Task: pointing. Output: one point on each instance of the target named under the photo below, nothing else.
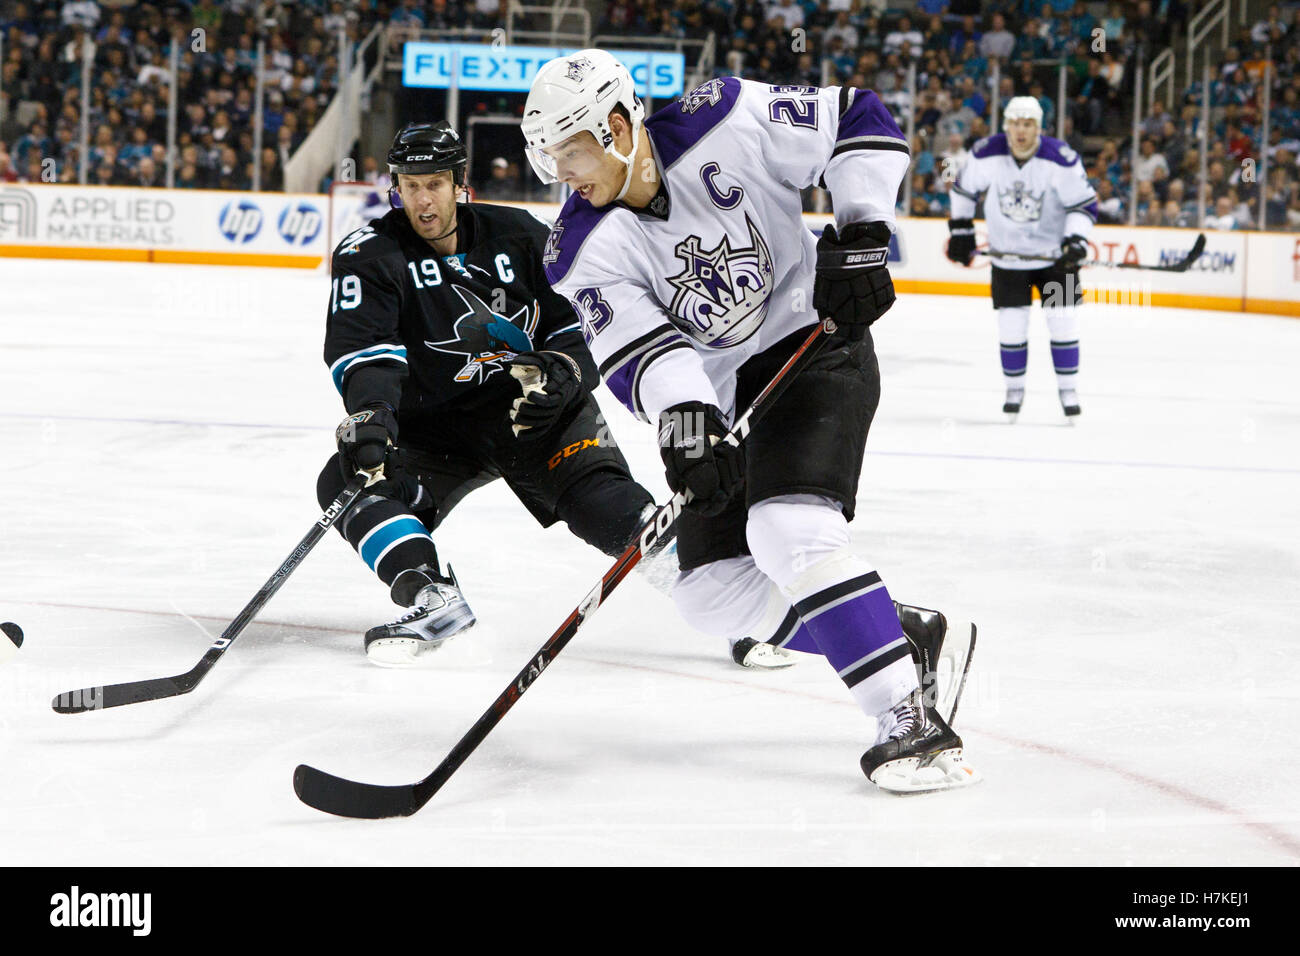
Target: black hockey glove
(552, 382)
(1074, 250)
(961, 241)
(696, 458)
(853, 286)
(364, 438)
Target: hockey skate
(438, 612)
(942, 650)
(748, 652)
(1011, 407)
(917, 752)
(1070, 404)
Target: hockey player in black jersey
(457, 365)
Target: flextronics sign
(512, 68)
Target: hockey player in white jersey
(686, 255)
(1038, 205)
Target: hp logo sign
(241, 222)
(300, 224)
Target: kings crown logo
(706, 94)
(722, 293)
(1020, 205)
(577, 69)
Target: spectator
(998, 41)
(1110, 208)
(843, 30)
(498, 185)
(1113, 72)
(903, 35)
(1263, 30)
(1113, 24)
(1223, 217)
(788, 13)
(7, 172)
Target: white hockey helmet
(1023, 107)
(575, 93)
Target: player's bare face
(587, 169)
(1023, 136)
(429, 201)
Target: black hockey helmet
(421, 148)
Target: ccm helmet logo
(418, 159)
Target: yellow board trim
(74, 252)
(270, 259)
(1176, 300)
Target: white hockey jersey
(674, 298)
(1031, 206)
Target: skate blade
(767, 657)
(946, 771)
(1011, 417)
(403, 651)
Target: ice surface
(1134, 695)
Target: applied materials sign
(512, 68)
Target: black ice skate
(1070, 403)
(942, 650)
(920, 752)
(748, 652)
(438, 612)
(1011, 407)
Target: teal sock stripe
(388, 534)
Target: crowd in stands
(41, 79)
(950, 48)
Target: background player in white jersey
(685, 252)
(1038, 204)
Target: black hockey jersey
(419, 330)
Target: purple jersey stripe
(995, 145)
(620, 383)
(576, 220)
(676, 128)
(867, 116)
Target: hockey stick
(1181, 266)
(134, 692)
(350, 798)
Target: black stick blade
(347, 798)
(1193, 254)
(13, 632)
(115, 695)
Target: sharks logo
(1020, 205)
(722, 294)
(487, 339)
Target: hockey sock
(388, 537)
(848, 612)
(1063, 324)
(801, 543)
(1013, 336)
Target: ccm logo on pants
(570, 450)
